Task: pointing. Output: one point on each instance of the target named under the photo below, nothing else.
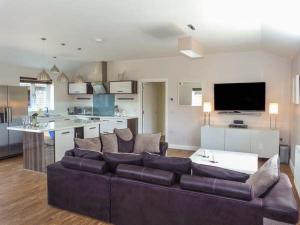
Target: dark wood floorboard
(23, 196)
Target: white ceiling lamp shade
(79, 79)
(62, 78)
(43, 76)
(190, 47)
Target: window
(40, 96)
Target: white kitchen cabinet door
(91, 131)
(120, 87)
(64, 141)
(265, 143)
(237, 140)
(77, 88)
(109, 125)
(212, 138)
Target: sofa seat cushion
(84, 154)
(125, 140)
(92, 144)
(147, 143)
(114, 159)
(266, 176)
(148, 175)
(279, 202)
(215, 186)
(109, 142)
(88, 165)
(217, 172)
(176, 165)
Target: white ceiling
(141, 28)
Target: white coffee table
(237, 161)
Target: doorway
(154, 108)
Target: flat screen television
(240, 96)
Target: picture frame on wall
(296, 90)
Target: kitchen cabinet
(91, 131)
(80, 88)
(108, 125)
(123, 87)
(64, 141)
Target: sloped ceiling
(133, 29)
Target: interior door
(150, 108)
(3, 122)
(17, 108)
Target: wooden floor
(23, 196)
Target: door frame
(140, 101)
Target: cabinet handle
(119, 121)
(67, 119)
(91, 128)
(51, 121)
(105, 132)
(120, 91)
(67, 132)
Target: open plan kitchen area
(43, 135)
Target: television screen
(240, 96)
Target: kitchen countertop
(53, 126)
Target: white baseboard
(292, 166)
(184, 147)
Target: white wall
(295, 112)
(185, 121)
(10, 75)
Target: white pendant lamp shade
(62, 78)
(78, 79)
(54, 70)
(190, 47)
(43, 76)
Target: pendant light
(78, 79)
(43, 76)
(54, 70)
(62, 78)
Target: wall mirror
(190, 93)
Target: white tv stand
(262, 141)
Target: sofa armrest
(69, 152)
(88, 165)
(215, 186)
(279, 203)
(163, 147)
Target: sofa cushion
(92, 144)
(149, 175)
(109, 142)
(215, 186)
(217, 172)
(266, 176)
(89, 165)
(114, 159)
(87, 154)
(125, 140)
(176, 165)
(147, 143)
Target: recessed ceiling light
(79, 49)
(99, 40)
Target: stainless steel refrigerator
(13, 107)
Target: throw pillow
(147, 143)
(109, 143)
(265, 177)
(219, 173)
(176, 165)
(114, 159)
(125, 140)
(92, 144)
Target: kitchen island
(48, 142)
